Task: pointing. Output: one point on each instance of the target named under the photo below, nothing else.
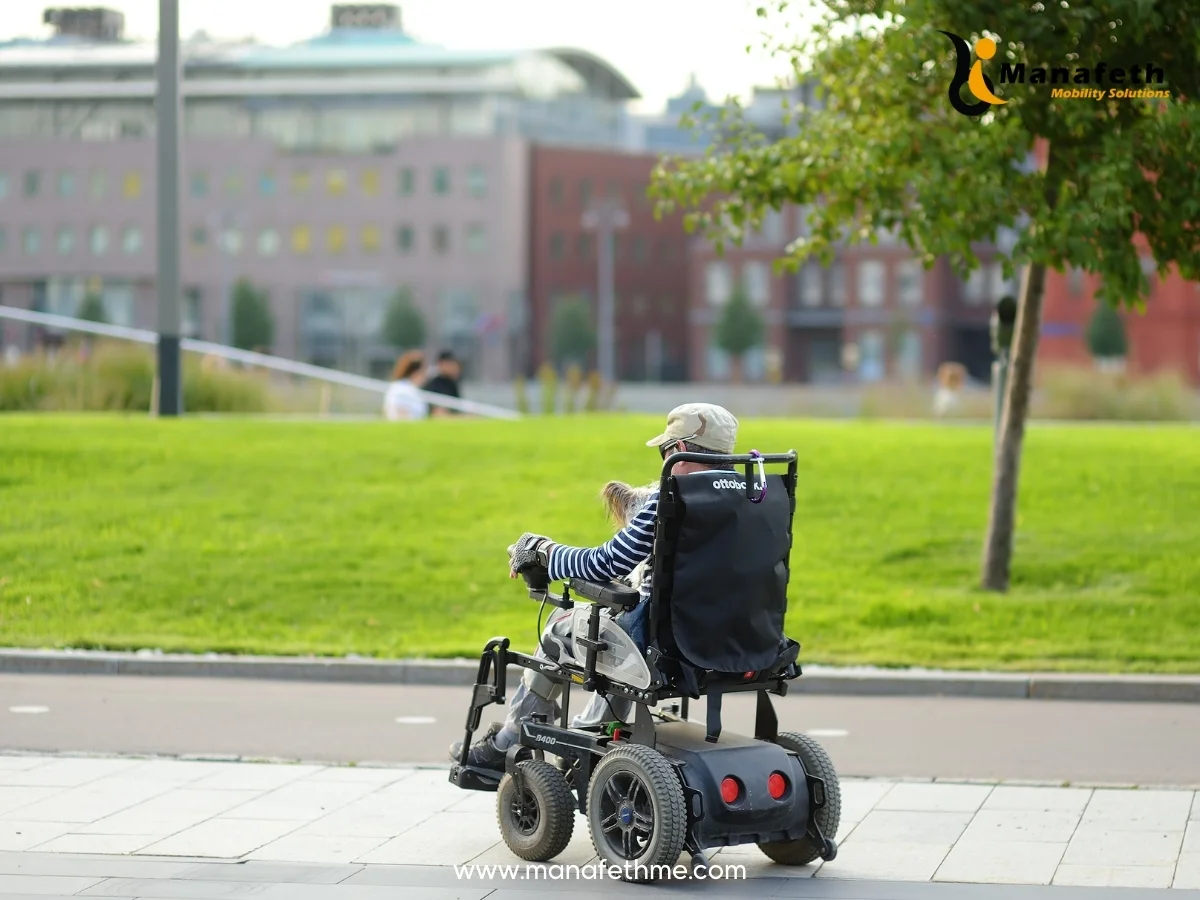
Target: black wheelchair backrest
(720, 573)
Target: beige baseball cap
(703, 424)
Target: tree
(739, 330)
(572, 334)
(404, 326)
(1106, 333)
(1082, 182)
(92, 310)
(252, 324)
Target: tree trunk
(735, 369)
(998, 545)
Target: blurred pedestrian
(951, 377)
(445, 382)
(403, 400)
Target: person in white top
(403, 400)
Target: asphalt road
(1121, 743)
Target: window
(975, 290)
(477, 181)
(31, 240)
(407, 182)
(301, 182)
(585, 245)
(65, 240)
(370, 239)
(3, 240)
(1075, 281)
(3, 185)
(131, 186)
(266, 184)
(335, 182)
(585, 193)
(131, 240)
(810, 285)
(837, 284)
(908, 359)
(476, 238)
(870, 283)
(666, 249)
(189, 321)
(872, 365)
(641, 249)
(198, 237)
(441, 180)
(998, 285)
(31, 184)
(98, 186)
(199, 184)
(335, 239)
(757, 280)
(556, 192)
(557, 245)
(370, 183)
(718, 284)
(231, 241)
(405, 238)
(268, 242)
(301, 239)
(885, 236)
(98, 240)
(441, 240)
(772, 227)
(66, 184)
(910, 282)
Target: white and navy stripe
(621, 555)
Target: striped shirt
(619, 556)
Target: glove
(530, 550)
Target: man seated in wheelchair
(699, 428)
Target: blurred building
(332, 173)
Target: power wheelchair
(663, 784)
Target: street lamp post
(170, 382)
(605, 218)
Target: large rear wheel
(636, 812)
(817, 763)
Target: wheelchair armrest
(614, 596)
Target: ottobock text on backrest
(721, 572)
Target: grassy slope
(292, 537)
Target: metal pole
(605, 310)
(170, 392)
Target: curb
(461, 672)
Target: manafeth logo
(1082, 79)
(972, 76)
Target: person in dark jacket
(449, 370)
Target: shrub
(574, 383)
(253, 324)
(549, 382)
(1079, 393)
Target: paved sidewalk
(57, 812)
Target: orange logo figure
(985, 48)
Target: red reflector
(730, 789)
(747, 675)
(776, 785)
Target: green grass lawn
(297, 537)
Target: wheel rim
(626, 815)
(525, 812)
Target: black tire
(536, 823)
(636, 812)
(817, 763)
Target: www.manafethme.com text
(594, 871)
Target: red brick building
(650, 259)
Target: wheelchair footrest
(473, 778)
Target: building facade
(332, 174)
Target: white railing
(279, 364)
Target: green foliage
(595, 386)
(572, 334)
(1079, 393)
(253, 324)
(572, 387)
(1106, 333)
(887, 150)
(92, 310)
(740, 328)
(521, 394)
(229, 534)
(119, 377)
(404, 326)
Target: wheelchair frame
(583, 748)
